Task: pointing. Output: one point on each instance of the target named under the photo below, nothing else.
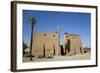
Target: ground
(86, 55)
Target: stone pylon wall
(72, 44)
(45, 44)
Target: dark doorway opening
(62, 50)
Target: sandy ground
(59, 58)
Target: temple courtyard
(84, 56)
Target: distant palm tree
(32, 21)
(24, 47)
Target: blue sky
(47, 21)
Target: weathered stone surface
(46, 44)
(72, 44)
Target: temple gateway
(47, 44)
